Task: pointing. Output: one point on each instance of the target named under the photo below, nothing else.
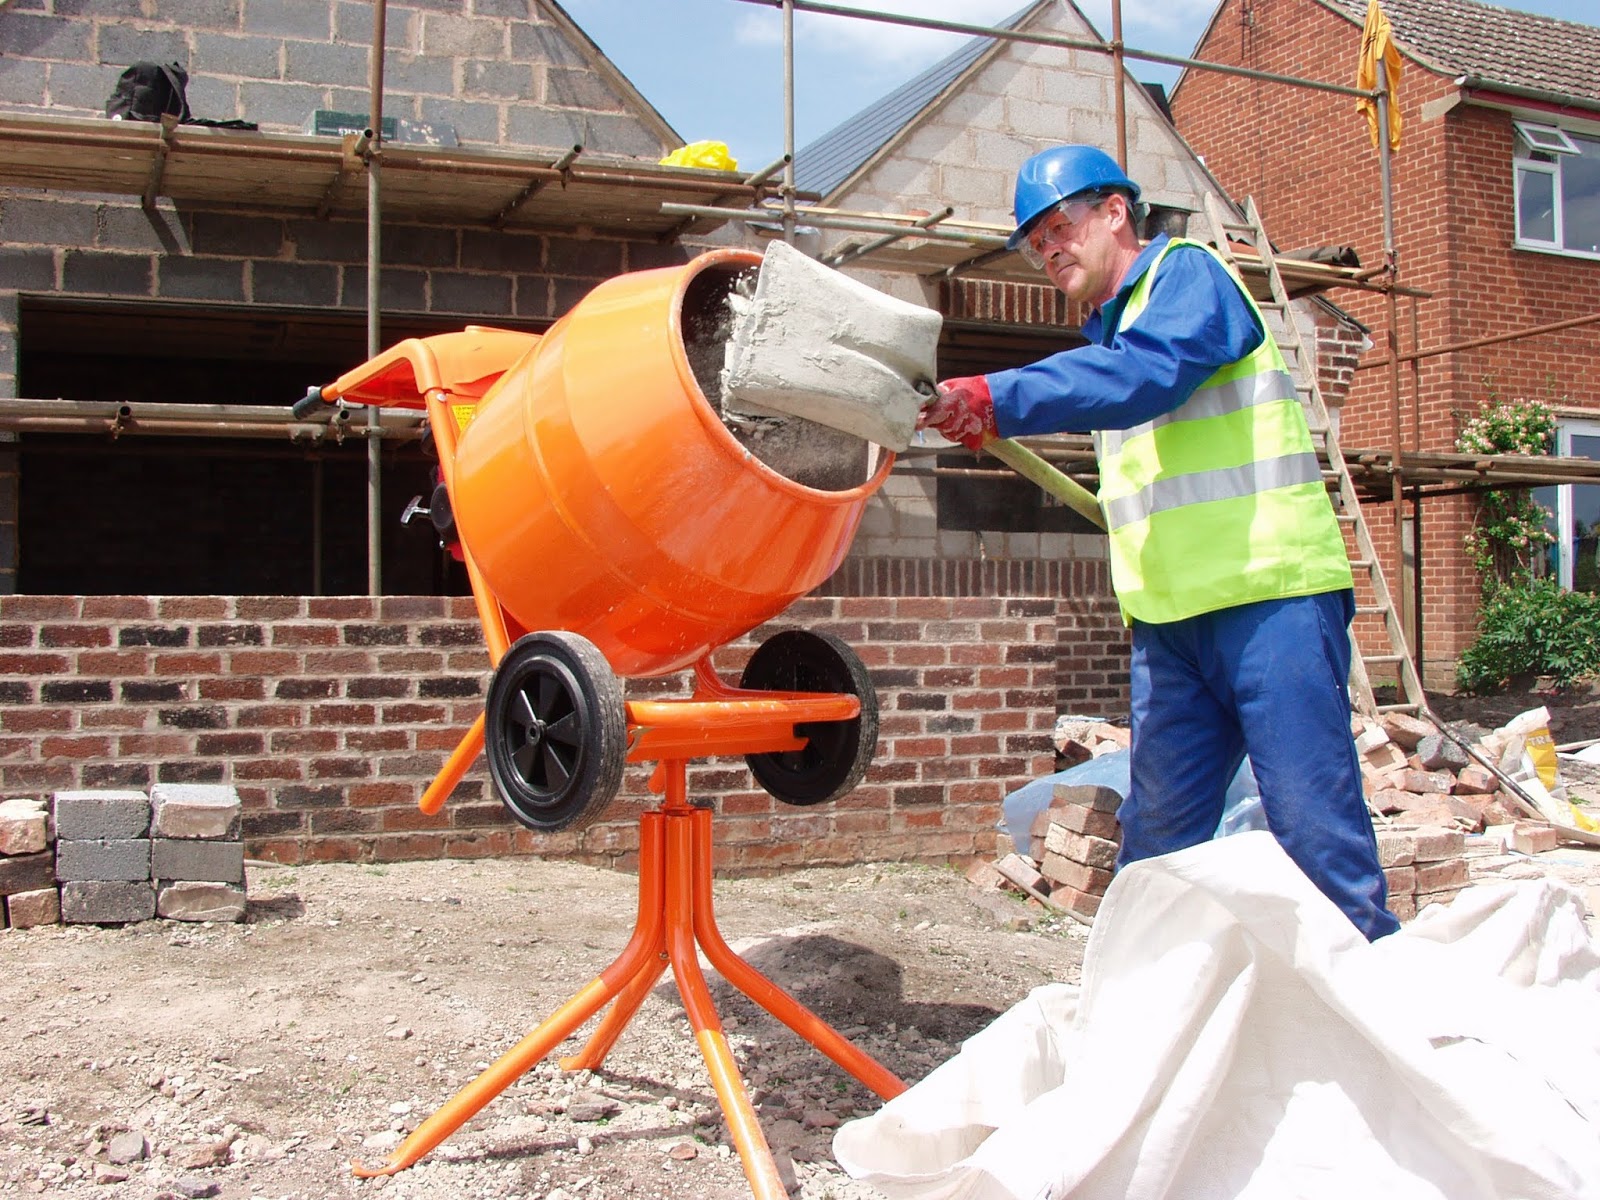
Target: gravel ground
(259, 1059)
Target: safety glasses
(1052, 228)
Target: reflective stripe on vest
(1221, 501)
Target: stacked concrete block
(27, 866)
(196, 855)
(102, 857)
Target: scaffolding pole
(374, 142)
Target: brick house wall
(331, 714)
(1307, 159)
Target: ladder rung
(1383, 658)
(1388, 708)
(1364, 563)
(1345, 518)
(1370, 610)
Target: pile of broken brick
(119, 856)
(1425, 792)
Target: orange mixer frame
(447, 376)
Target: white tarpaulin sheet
(1235, 1036)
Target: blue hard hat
(1061, 173)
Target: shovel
(814, 343)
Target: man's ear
(1118, 209)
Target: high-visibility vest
(1221, 501)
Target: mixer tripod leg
(640, 956)
(862, 1066)
(756, 1156)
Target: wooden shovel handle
(1035, 469)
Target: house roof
(825, 164)
(1490, 45)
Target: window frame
(1566, 429)
(1523, 163)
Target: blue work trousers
(1269, 679)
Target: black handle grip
(308, 404)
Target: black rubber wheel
(555, 731)
(837, 753)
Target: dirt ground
(259, 1059)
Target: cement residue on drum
(804, 451)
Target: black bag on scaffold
(147, 90)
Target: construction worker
(1225, 555)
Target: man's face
(1078, 243)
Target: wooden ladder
(1393, 664)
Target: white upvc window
(1575, 512)
(1557, 188)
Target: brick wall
(330, 715)
(1307, 159)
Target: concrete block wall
(110, 247)
(1308, 161)
(330, 715)
(501, 72)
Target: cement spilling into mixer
(814, 343)
(810, 454)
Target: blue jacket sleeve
(1196, 321)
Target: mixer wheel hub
(837, 753)
(555, 731)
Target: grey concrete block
(459, 292)
(400, 290)
(201, 278)
(195, 901)
(352, 22)
(251, 57)
(533, 296)
(195, 810)
(46, 222)
(544, 43)
(108, 274)
(417, 75)
(130, 227)
(516, 9)
(27, 872)
(573, 87)
(321, 62)
(324, 241)
(200, 14)
(216, 99)
(505, 80)
(290, 18)
(419, 246)
(22, 81)
(120, 45)
(309, 285)
(85, 815)
(473, 121)
(280, 104)
(243, 237)
(105, 859)
(451, 36)
(592, 260)
(176, 859)
(32, 269)
(483, 250)
(101, 903)
(25, 36)
(535, 125)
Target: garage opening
(211, 512)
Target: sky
(714, 68)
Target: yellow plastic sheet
(702, 154)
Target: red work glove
(963, 411)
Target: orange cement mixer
(612, 525)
